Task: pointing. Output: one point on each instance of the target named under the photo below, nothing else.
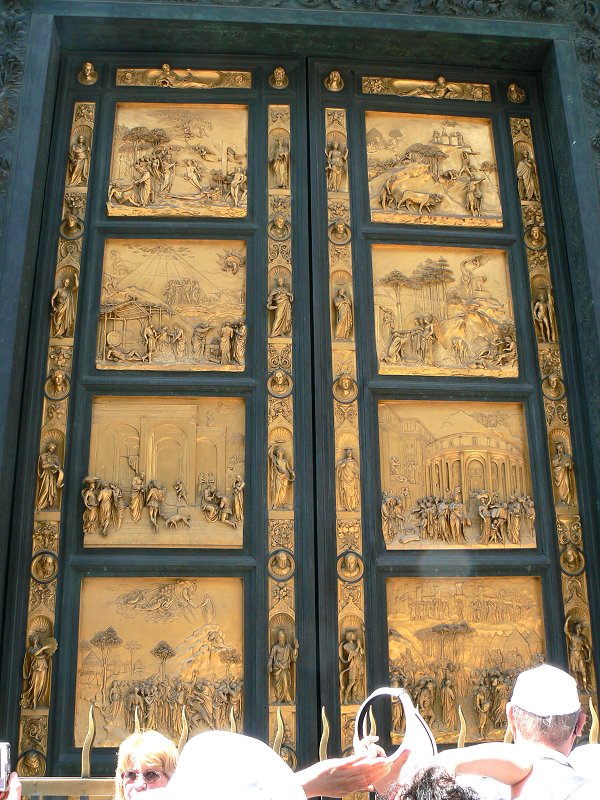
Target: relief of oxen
(413, 201)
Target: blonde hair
(150, 748)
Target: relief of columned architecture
(455, 475)
(165, 472)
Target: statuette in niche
(344, 315)
(515, 94)
(87, 74)
(79, 162)
(282, 657)
(543, 316)
(334, 81)
(527, 179)
(336, 166)
(280, 164)
(580, 652)
(50, 478)
(352, 673)
(280, 302)
(280, 474)
(37, 669)
(563, 473)
(278, 79)
(62, 304)
(348, 482)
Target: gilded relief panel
(165, 472)
(432, 170)
(444, 313)
(455, 476)
(179, 160)
(462, 641)
(439, 89)
(173, 304)
(154, 647)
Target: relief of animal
(418, 201)
(175, 519)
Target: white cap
(546, 692)
(230, 765)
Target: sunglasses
(150, 776)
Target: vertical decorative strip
(40, 645)
(577, 625)
(283, 645)
(349, 548)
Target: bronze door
(304, 427)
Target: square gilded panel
(432, 170)
(156, 646)
(443, 311)
(454, 475)
(165, 472)
(179, 159)
(462, 641)
(173, 304)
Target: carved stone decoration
(87, 74)
(344, 315)
(336, 167)
(281, 534)
(439, 89)
(127, 667)
(181, 482)
(515, 94)
(58, 384)
(173, 304)
(78, 167)
(440, 314)
(543, 315)
(455, 476)
(279, 229)
(463, 641)
(42, 594)
(45, 536)
(432, 170)
(71, 226)
(37, 664)
(278, 79)
(339, 232)
(31, 764)
(563, 472)
(179, 160)
(63, 303)
(169, 78)
(281, 565)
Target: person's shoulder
(588, 790)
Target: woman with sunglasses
(145, 761)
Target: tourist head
(434, 783)
(145, 761)
(545, 708)
(258, 771)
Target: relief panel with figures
(173, 304)
(165, 472)
(432, 170)
(126, 665)
(462, 641)
(443, 311)
(455, 475)
(179, 160)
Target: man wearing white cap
(545, 717)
